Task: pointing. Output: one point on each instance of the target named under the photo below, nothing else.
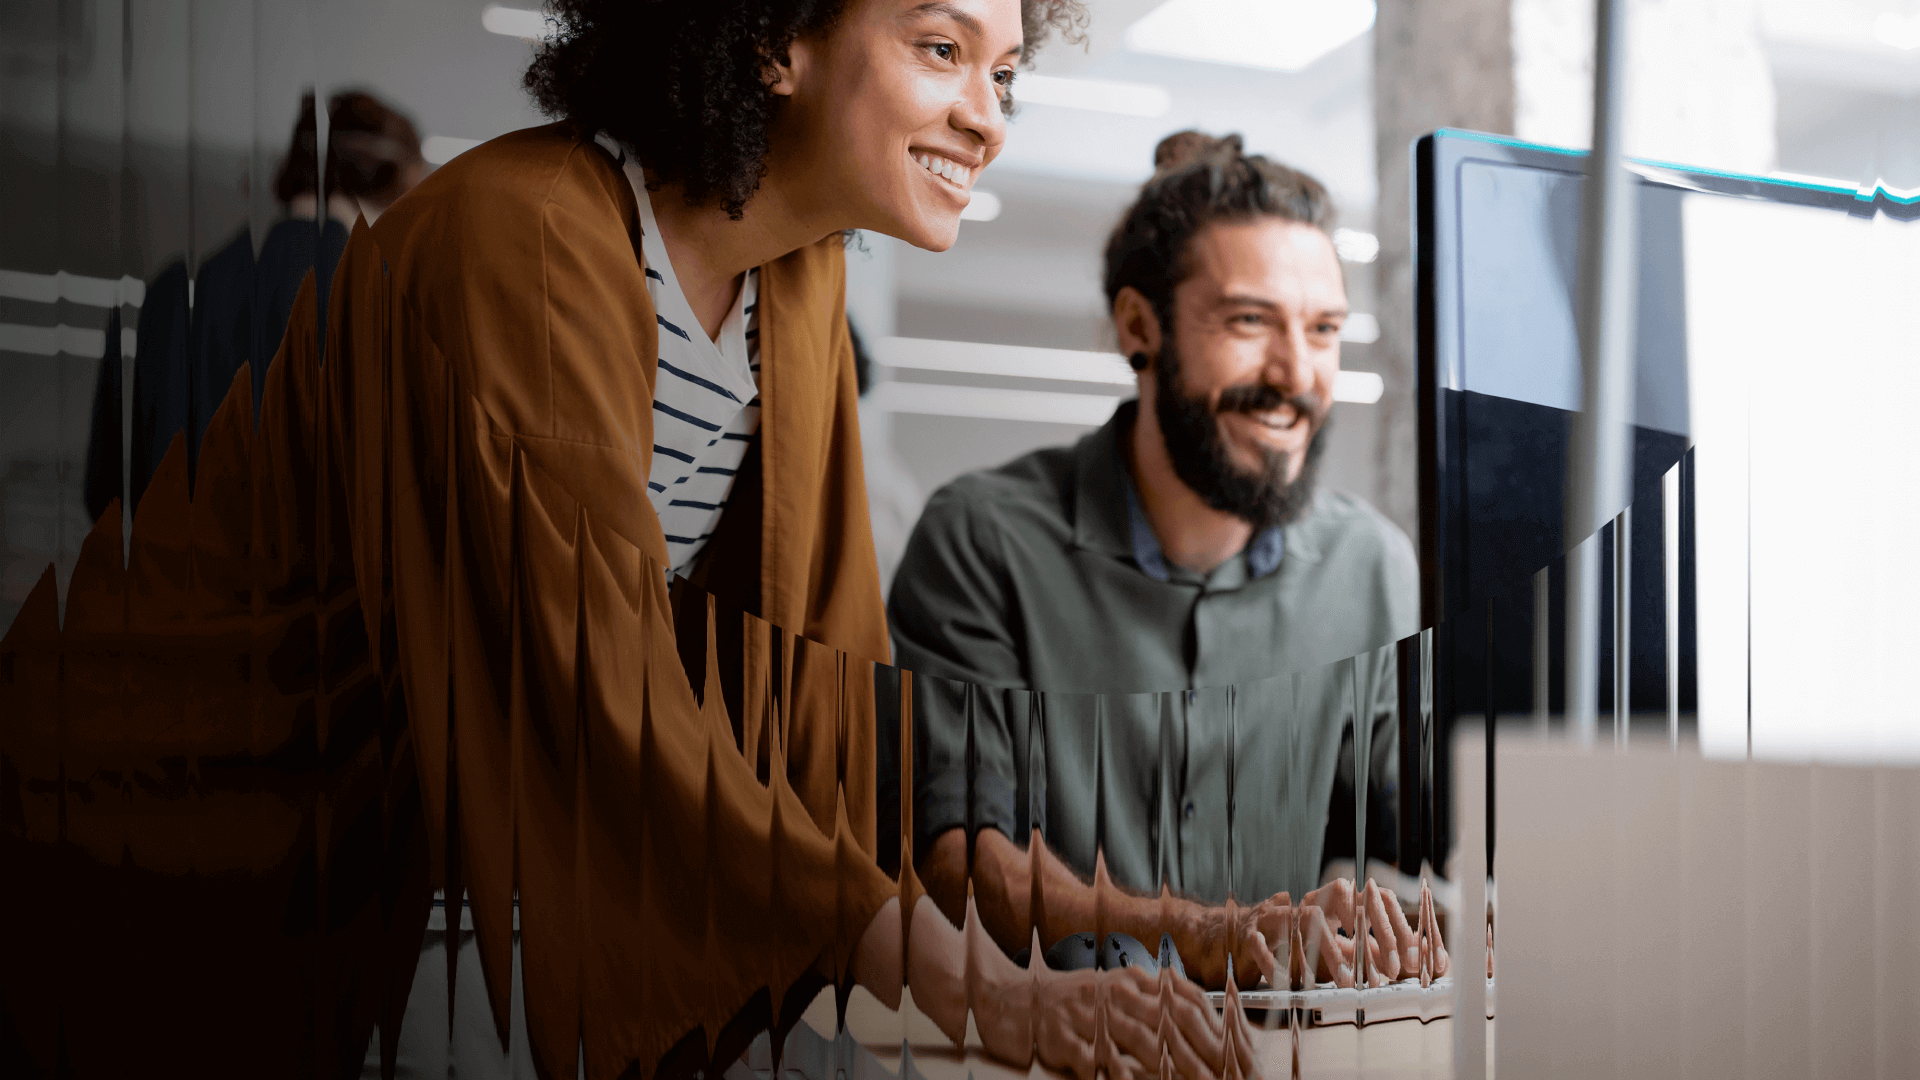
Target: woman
(413, 627)
(581, 361)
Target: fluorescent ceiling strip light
(63, 340)
(440, 149)
(1360, 328)
(981, 206)
(73, 288)
(986, 403)
(1048, 406)
(1355, 246)
(1358, 387)
(516, 22)
(1060, 365)
(1900, 33)
(1018, 361)
(1096, 95)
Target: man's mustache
(1260, 397)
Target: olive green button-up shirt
(1192, 728)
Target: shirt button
(1190, 808)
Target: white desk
(1405, 1049)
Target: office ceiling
(1067, 173)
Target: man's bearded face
(1190, 427)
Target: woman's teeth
(948, 170)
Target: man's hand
(1292, 945)
(1254, 936)
(1296, 945)
(1374, 914)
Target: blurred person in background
(373, 155)
(373, 158)
(1184, 546)
(192, 342)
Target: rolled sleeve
(953, 628)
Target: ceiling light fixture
(1902, 34)
(1021, 361)
(1358, 387)
(1360, 328)
(516, 22)
(1097, 95)
(1277, 35)
(1056, 365)
(993, 403)
(1355, 246)
(73, 288)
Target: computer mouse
(1075, 952)
(1125, 951)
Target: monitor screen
(1755, 297)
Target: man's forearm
(1001, 884)
(1004, 896)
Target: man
(1198, 618)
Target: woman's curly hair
(684, 82)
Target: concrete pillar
(1434, 65)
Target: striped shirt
(706, 393)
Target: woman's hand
(1430, 938)
(1242, 1063)
(1126, 1022)
(1130, 1024)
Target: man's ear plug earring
(1138, 360)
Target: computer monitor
(1738, 278)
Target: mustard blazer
(414, 626)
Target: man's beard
(1190, 428)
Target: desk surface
(1393, 1050)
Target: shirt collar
(1146, 546)
(726, 360)
(1108, 515)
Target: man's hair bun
(1187, 147)
(1198, 180)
